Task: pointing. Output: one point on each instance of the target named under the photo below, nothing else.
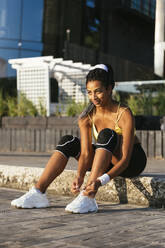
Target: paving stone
(115, 225)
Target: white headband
(100, 66)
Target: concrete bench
(146, 190)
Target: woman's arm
(128, 126)
(86, 155)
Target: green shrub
(135, 105)
(147, 103)
(8, 87)
(3, 106)
(74, 109)
(11, 106)
(59, 109)
(159, 104)
(42, 108)
(25, 107)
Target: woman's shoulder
(85, 122)
(123, 107)
(124, 112)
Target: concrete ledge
(144, 190)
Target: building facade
(21, 25)
(119, 28)
(159, 58)
(127, 29)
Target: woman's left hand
(92, 188)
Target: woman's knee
(69, 146)
(107, 139)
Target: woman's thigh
(137, 162)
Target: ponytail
(89, 109)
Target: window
(136, 4)
(10, 18)
(20, 29)
(32, 20)
(147, 7)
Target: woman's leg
(106, 143)
(34, 197)
(85, 202)
(137, 162)
(68, 146)
(54, 168)
(100, 165)
(102, 162)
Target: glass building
(146, 7)
(21, 24)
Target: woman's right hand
(76, 185)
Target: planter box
(38, 122)
(142, 122)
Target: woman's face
(98, 94)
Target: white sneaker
(32, 199)
(82, 204)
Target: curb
(143, 190)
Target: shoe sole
(89, 212)
(13, 206)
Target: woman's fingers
(75, 187)
(91, 188)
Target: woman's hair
(104, 74)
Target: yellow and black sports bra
(117, 129)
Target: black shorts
(70, 147)
(137, 162)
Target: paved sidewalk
(40, 159)
(115, 225)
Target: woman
(116, 152)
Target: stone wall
(143, 190)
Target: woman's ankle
(91, 195)
(41, 189)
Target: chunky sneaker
(32, 199)
(82, 204)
